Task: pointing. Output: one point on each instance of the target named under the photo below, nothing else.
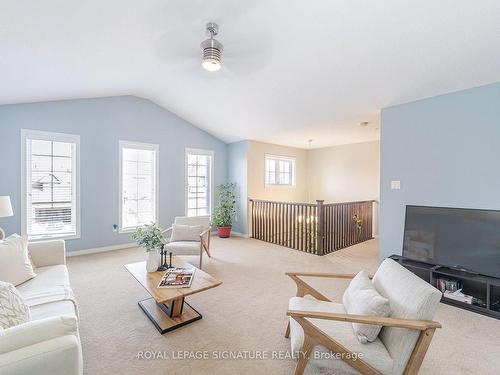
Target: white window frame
(199, 151)
(140, 146)
(291, 159)
(55, 137)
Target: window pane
(198, 184)
(279, 170)
(63, 149)
(138, 187)
(39, 147)
(51, 189)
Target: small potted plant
(151, 238)
(225, 210)
(358, 222)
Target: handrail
(266, 201)
(310, 204)
(352, 202)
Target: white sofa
(49, 343)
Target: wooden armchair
(191, 247)
(402, 343)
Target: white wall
(345, 173)
(257, 188)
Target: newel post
(252, 220)
(321, 226)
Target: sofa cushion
(374, 353)
(183, 248)
(49, 287)
(15, 264)
(13, 308)
(186, 233)
(361, 298)
(410, 298)
(53, 309)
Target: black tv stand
(485, 289)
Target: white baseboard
(100, 249)
(238, 234)
(127, 246)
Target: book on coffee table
(177, 278)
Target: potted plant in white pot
(151, 238)
(225, 210)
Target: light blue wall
(237, 173)
(101, 123)
(445, 151)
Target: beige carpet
(246, 313)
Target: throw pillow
(186, 233)
(361, 298)
(13, 309)
(15, 264)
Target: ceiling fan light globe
(212, 65)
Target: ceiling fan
(212, 49)
(244, 53)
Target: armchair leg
(201, 258)
(304, 355)
(287, 332)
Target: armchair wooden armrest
(165, 231)
(419, 325)
(304, 288)
(205, 232)
(205, 244)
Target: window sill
(50, 238)
(268, 186)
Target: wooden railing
(314, 228)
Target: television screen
(455, 237)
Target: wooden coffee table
(167, 308)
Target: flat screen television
(455, 237)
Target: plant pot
(153, 261)
(224, 232)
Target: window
(280, 170)
(50, 185)
(198, 182)
(138, 185)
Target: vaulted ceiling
(292, 70)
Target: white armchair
(319, 326)
(202, 244)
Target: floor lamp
(5, 211)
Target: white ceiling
(293, 70)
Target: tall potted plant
(225, 210)
(151, 238)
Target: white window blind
(138, 185)
(280, 170)
(198, 182)
(50, 185)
